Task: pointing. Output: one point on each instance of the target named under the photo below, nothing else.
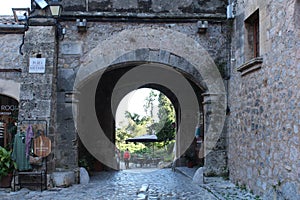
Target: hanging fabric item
(19, 152)
(29, 136)
(42, 146)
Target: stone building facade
(263, 127)
(247, 93)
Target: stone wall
(36, 92)
(11, 64)
(147, 6)
(263, 129)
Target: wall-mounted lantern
(20, 14)
(202, 26)
(55, 8)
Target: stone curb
(184, 173)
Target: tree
(121, 136)
(136, 118)
(165, 128)
(149, 103)
(137, 125)
(165, 108)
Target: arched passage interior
(111, 89)
(192, 61)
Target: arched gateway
(141, 57)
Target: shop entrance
(9, 109)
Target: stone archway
(168, 49)
(10, 88)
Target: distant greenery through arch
(159, 120)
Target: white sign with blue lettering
(37, 65)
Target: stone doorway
(9, 110)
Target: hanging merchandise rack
(40, 149)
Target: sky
(133, 102)
(7, 5)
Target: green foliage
(149, 103)
(166, 109)
(7, 165)
(167, 133)
(137, 125)
(143, 151)
(85, 162)
(121, 136)
(165, 128)
(136, 118)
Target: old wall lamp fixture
(55, 8)
(23, 15)
(81, 25)
(20, 14)
(202, 26)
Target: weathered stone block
(84, 176)
(71, 48)
(63, 179)
(65, 79)
(125, 4)
(198, 177)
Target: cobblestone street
(126, 184)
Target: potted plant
(190, 158)
(7, 166)
(190, 161)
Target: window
(252, 53)
(252, 36)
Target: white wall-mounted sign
(37, 65)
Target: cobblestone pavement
(138, 184)
(225, 190)
(222, 189)
(126, 184)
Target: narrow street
(127, 184)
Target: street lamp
(55, 8)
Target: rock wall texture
(34, 91)
(147, 6)
(264, 123)
(11, 65)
